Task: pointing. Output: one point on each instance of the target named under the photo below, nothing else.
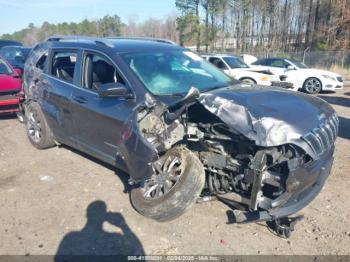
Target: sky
(17, 14)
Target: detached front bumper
(311, 179)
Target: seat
(63, 68)
(102, 73)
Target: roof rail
(81, 39)
(160, 40)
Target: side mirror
(291, 67)
(114, 90)
(18, 72)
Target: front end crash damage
(260, 157)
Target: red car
(10, 86)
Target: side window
(63, 65)
(279, 63)
(42, 62)
(98, 71)
(267, 62)
(261, 62)
(218, 63)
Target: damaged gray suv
(182, 129)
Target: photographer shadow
(92, 240)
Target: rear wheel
(177, 182)
(312, 85)
(38, 132)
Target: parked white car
(248, 59)
(310, 80)
(236, 68)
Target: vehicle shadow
(347, 94)
(344, 127)
(92, 240)
(322, 92)
(328, 92)
(336, 100)
(124, 177)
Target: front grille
(340, 79)
(321, 139)
(7, 96)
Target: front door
(99, 121)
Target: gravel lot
(59, 201)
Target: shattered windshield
(175, 72)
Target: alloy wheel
(313, 86)
(34, 127)
(167, 172)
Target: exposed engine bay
(250, 177)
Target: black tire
(312, 85)
(180, 196)
(248, 81)
(38, 131)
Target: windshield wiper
(216, 87)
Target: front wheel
(312, 85)
(38, 131)
(177, 182)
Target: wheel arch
(248, 78)
(315, 77)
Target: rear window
(13, 53)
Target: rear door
(99, 121)
(56, 88)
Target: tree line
(106, 26)
(237, 25)
(253, 25)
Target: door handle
(80, 99)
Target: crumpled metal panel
(268, 116)
(31, 72)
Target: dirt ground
(58, 201)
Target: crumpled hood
(269, 116)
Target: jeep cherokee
(179, 126)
